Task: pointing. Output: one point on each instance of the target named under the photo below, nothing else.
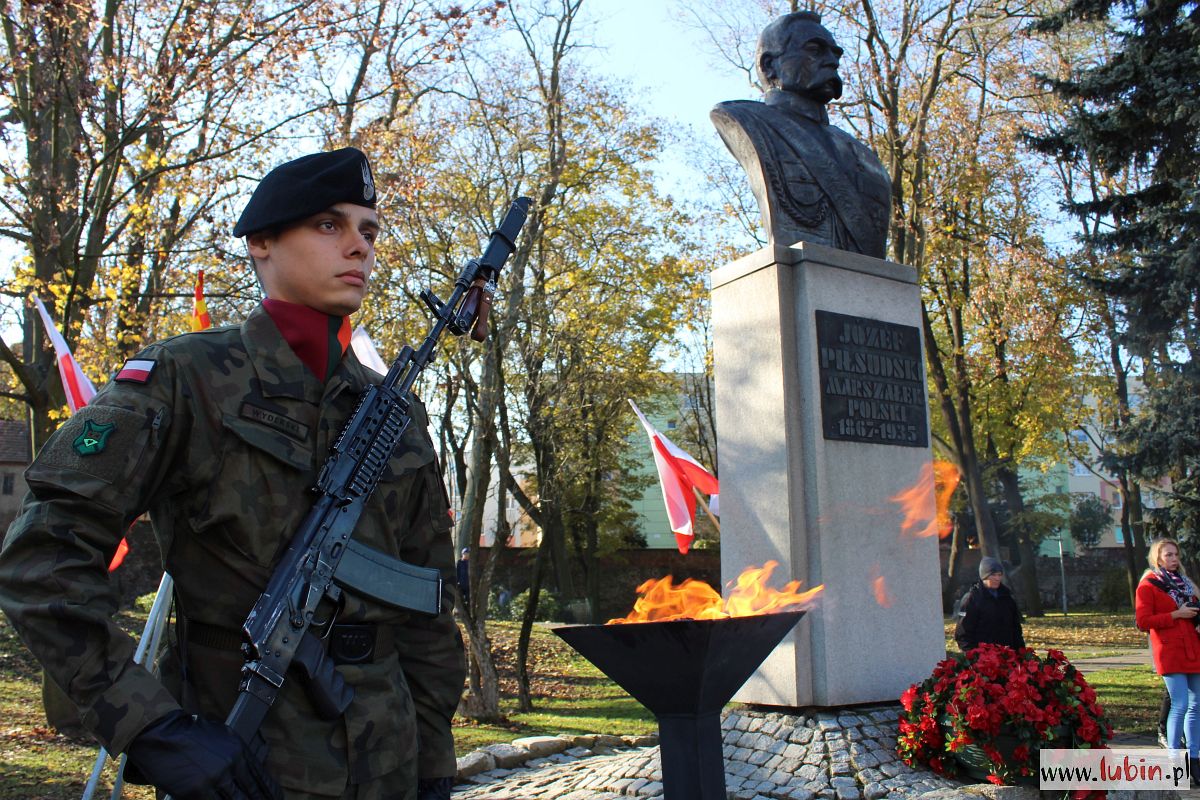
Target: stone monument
(821, 409)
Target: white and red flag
(79, 391)
(78, 388)
(682, 479)
(364, 348)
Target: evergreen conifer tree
(1137, 110)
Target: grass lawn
(569, 695)
(1080, 634)
(1130, 697)
(38, 763)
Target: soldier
(219, 434)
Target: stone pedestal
(821, 422)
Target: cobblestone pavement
(850, 755)
(768, 755)
(823, 755)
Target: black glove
(191, 758)
(434, 788)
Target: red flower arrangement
(992, 697)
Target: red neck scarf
(318, 339)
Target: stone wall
(620, 574)
(1085, 577)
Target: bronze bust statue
(813, 182)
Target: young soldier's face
(323, 261)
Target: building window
(1119, 535)
(1079, 469)
(8, 483)
(671, 424)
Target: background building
(15, 455)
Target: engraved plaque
(872, 381)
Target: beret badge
(368, 184)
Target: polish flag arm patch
(136, 370)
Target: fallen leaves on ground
(551, 663)
(1077, 633)
(38, 733)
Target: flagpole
(704, 504)
(146, 653)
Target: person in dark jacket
(463, 569)
(989, 612)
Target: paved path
(822, 755)
(1130, 658)
(768, 756)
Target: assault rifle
(322, 558)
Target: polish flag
(200, 319)
(365, 350)
(78, 388)
(79, 391)
(681, 477)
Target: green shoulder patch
(94, 437)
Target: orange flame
(926, 504)
(879, 586)
(660, 600)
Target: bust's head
(797, 54)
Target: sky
(646, 44)
(642, 43)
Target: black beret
(308, 186)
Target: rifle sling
(370, 573)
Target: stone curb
(520, 752)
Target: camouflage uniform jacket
(221, 444)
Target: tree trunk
(1132, 525)
(482, 702)
(953, 567)
(554, 535)
(1133, 572)
(1026, 576)
(958, 422)
(1137, 523)
(524, 698)
(483, 698)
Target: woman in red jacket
(1166, 607)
